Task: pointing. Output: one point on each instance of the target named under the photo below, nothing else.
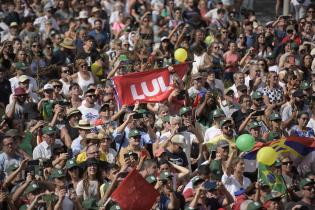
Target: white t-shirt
(92, 191)
(211, 133)
(65, 87)
(14, 81)
(232, 185)
(90, 114)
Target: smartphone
(259, 113)
(210, 185)
(137, 116)
(181, 95)
(213, 154)
(70, 154)
(182, 129)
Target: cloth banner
(135, 193)
(146, 87)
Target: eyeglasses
(66, 71)
(91, 96)
(287, 163)
(83, 65)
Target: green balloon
(245, 142)
(123, 57)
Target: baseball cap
(275, 116)
(48, 87)
(196, 180)
(304, 182)
(257, 95)
(165, 175)
(20, 66)
(72, 111)
(184, 110)
(134, 133)
(151, 179)
(254, 206)
(273, 135)
(228, 90)
(222, 144)
(225, 121)
(57, 173)
(164, 38)
(71, 164)
(196, 76)
(305, 85)
(19, 91)
(178, 139)
(272, 197)
(254, 124)
(23, 78)
(31, 187)
(48, 130)
(218, 113)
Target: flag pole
(107, 201)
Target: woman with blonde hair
(83, 77)
(273, 92)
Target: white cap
(48, 87)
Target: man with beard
(292, 107)
(98, 34)
(20, 108)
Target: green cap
(90, 204)
(12, 168)
(254, 124)
(272, 197)
(48, 130)
(143, 111)
(71, 164)
(273, 135)
(57, 173)
(12, 133)
(20, 66)
(275, 116)
(196, 180)
(133, 133)
(218, 113)
(184, 110)
(305, 85)
(257, 95)
(151, 179)
(225, 121)
(31, 187)
(165, 175)
(254, 206)
(115, 207)
(123, 57)
(305, 182)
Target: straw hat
(67, 43)
(92, 137)
(84, 125)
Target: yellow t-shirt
(82, 157)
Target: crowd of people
(67, 143)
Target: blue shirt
(295, 131)
(100, 38)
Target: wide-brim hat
(84, 125)
(67, 43)
(92, 137)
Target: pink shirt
(230, 59)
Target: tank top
(73, 132)
(84, 83)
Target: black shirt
(5, 91)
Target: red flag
(135, 193)
(148, 86)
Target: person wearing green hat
(254, 206)
(134, 146)
(305, 86)
(254, 129)
(44, 149)
(276, 131)
(214, 130)
(257, 100)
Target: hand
(14, 98)
(257, 81)
(171, 69)
(3, 196)
(58, 109)
(62, 194)
(129, 117)
(64, 156)
(137, 104)
(23, 164)
(29, 178)
(39, 124)
(296, 207)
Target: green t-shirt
(26, 144)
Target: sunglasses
(57, 86)
(287, 163)
(83, 65)
(49, 91)
(66, 71)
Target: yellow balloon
(267, 156)
(180, 55)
